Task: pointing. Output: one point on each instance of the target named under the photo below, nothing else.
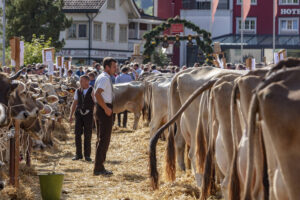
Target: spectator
(154, 70)
(69, 73)
(124, 77)
(92, 79)
(80, 72)
(40, 70)
(98, 68)
(137, 68)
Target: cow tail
(201, 146)
(149, 106)
(252, 136)
(155, 137)
(265, 176)
(234, 182)
(170, 167)
(208, 182)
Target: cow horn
(14, 77)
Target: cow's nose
(25, 115)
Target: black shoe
(88, 159)
(77, 158)
(103, 172)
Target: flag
(275, 11)
(246, 8)
(214, 9)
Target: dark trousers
(104, 125)
(124, 118)
(83, 125)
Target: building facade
(258, 30)
(102, 28)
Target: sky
(146, 5)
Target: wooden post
(15, 51)
(15, 156)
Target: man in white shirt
(104, 114)
(84, 105)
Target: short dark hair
(70, 71)
(107, 61)
(97, 65)
(124, 69)
(85, 77)
(153, 67)
(92, 74)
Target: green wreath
(203, 38)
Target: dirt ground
(127, 158)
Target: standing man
(104, 114)
(124, 77)
(84, 105)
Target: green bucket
(51, 185)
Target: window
(250, 25)
(111, 4)
(72, 32)
(203, 4)
(77, 31)
(288, 2)
(97, 31)
(110, 32)
(82, 30)
(253, 2)
(123, 33)
(288, 25)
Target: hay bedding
(127, 158)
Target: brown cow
(277, 102)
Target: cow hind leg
(137, 116)
(180, 150)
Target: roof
(79, 6)
(258, 41)
(146, 16)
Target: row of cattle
(241, 128)
(37, 105)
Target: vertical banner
(214, 9)
(48, 59)
(246, 8)
(15, 52)
(22, 53)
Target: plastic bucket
(51, 185)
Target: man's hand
(108, 111)
(71, 119)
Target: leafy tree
(160, 58)
(33, 49)
(36, 17)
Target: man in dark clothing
(83, 105)
(104, 117)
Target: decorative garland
(202, 38)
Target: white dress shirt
(103, 81)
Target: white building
(102, 28)
(199, 13)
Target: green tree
(160, 58)
(36, 17)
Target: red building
(258, 31)
(260, 17)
